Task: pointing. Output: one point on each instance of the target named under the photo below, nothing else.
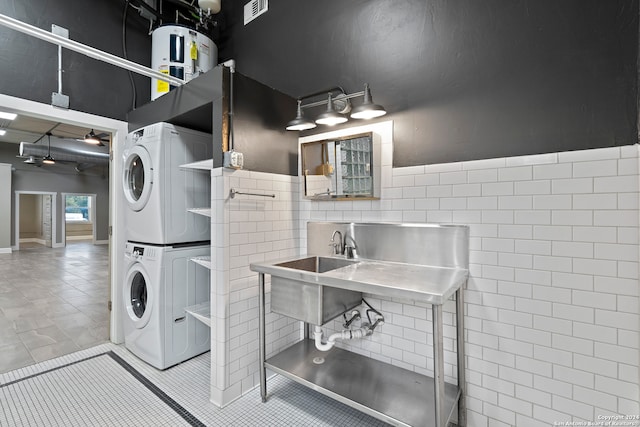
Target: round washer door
(138, 295)
(137, 179)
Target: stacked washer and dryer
(162, 238)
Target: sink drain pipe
(346, 334)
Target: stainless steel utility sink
(317, 264)
(310, 302)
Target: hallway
(52, 302)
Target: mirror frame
(337, 197)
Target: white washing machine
(159, 283)
(159, 192)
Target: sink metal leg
(262, 337)
(462, 381)
(438, 366)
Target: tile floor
(53, 313)
(52, 302)
(105, 396)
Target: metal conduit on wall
(89, 51)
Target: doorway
(35, 219)
(79, 217)
(116, 239)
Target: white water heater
(180, 52)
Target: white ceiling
(30, 129)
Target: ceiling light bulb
(8, 116)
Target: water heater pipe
(89, 51)
(231, 64)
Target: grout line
(186, 415)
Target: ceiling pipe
(89, 51)
(70, 151)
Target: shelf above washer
(201, 312)
(201, 165)
(204, 261)
(201, 211)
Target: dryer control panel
(138, 251)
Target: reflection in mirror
(339, 168)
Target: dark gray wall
(462, 79)
(59, 179)
(258, 117)
(29, 66)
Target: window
(77, 208)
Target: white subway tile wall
(552, 304)
(552, 321)
(247, 229)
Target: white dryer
(159, 192)
(159, 283)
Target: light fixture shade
(92, 138)
(368, 110)
(330, 117)
(48, 160)
(300, 123)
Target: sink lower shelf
(384, 391)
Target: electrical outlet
(233, 159)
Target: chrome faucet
(338, 248)
(344, 246)
(350, 248)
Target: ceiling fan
(95, 139)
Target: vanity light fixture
(337, 99)
(331, 117)
(300, 123)
(48, 160)
(368, 110)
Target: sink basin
(317, 264)
(310, 302)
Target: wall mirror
(339, 168)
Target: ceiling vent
(254, 8)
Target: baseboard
(5, 250)
(33, 240)
(79, 237)
(101, 242)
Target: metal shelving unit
(392, 394)
(201, 165)
(201, 211)
(201, 312)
